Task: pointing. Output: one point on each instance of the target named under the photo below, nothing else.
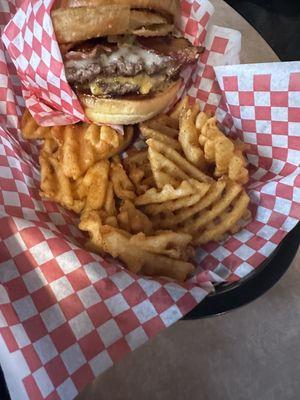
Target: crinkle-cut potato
(168, 243)
(119, 244)
(177, 159)
(133, 220)
(176, 219)
(179, 203)
(189, 138)
(225, 222)
(223, 152)
(92, 188)
(139, 171)
(78, 146)
(150, 133)
(56, 186)
(151, 209)
(122, 185)
(167, 193)
(163, 124)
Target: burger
(122, 57)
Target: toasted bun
(127, 111)
(111, 17)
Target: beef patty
(137, 65)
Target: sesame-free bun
(130, 110)
(80, 20)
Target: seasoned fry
(172, 220)
(201, 120)
(228, 220)
(122, 185)
(180, 161)
(189, 139)
(180, 107)
(164, 170)
(177, 204)
(31, 130)
(118, 244)
(153, 207)
(93, 186)
(78, 147)
(149, 133)
(167, 193)
(223, 152)
(56, 186)
(167, 243)
(110, 204)
(231, 192)
(133, 220)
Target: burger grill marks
(137, 65)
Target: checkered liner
(67, 315)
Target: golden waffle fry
(92, 188)
(150, 133)
(227, 220)
(110, 204)
(174, 220)
(222, 151)
(180, 107)
(80, 146)
(173, 156)
(118, 244)
(122, 185)
(164, 124)
(56, 186)
(167, 193)
(31, 130)
(168, 243)
(189, 138)
(165, 171)
(201, 120)
(232, 190)
(91, 222)
(133, 220)
(139, 171)
(178, 204)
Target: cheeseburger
(122, 57)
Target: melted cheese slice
(143, 82)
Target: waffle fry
(139, 171)
(167, 193)
(189, 138)
(226, 221)
(92, 188)
(150, 133)
(56, 186)
(222, 151)
(31, 130)
(177, 204)
(152, 208)
(178, 160)
(164, 124)
(175, 220)
(79, 146)
(133, 220)
(122, 185)
(180, 107)
(168, 243)
(119, 244)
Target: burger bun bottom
(127, 111)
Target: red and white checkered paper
(66, 315)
